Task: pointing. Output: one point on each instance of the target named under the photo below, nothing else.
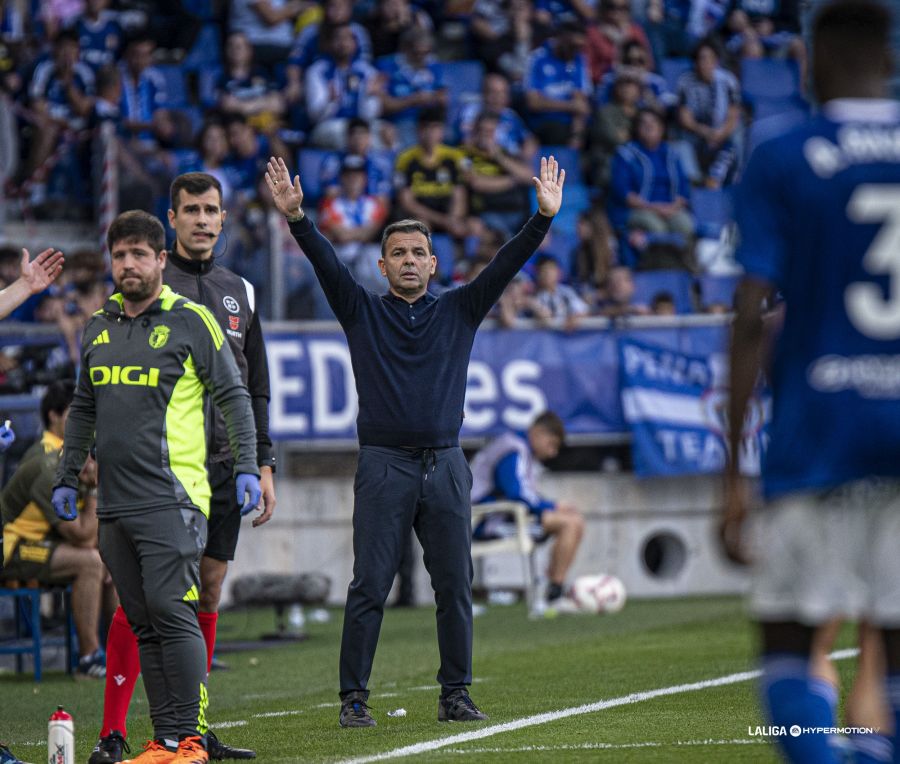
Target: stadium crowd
(393, 109)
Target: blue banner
(513, 376)
(676, 404)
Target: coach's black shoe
(355, 711)
(218, 750)
(109, 749)
(458, 707)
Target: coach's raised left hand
(549, 186)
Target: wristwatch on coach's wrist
(297, 216)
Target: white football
(599, 593)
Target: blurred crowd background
(391, 109)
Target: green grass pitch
(283, 701)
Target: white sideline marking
(228, 725)
(269, 714)
(437, 687)
(608, 746)
(552, 716)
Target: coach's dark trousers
(397, 489)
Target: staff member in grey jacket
(148, 358)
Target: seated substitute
(505, 470)
(38, 545)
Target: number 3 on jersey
(867, 308)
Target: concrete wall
(667, 523)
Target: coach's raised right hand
(63, 501)
(287, 196)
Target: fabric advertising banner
(513, 376)
(677, 405)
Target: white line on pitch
(607, 746)
(227, 725)
(268, 714)
(552, 716)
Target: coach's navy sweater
(410, 360)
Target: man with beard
(148, 358)
(197, 217)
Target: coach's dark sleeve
(340, 287)
(258, 386)
(80, 428)
(479, 296)
(218, 371)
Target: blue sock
(871, 749)
(893, 696)
(792, 698)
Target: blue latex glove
(7, 437)
(62, 496)
(247, 483)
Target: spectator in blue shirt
(340, 87)
(505, 32)
(759, 28)
(550, 12)
(512, 134)
(710, 113)
(311, 43)
(379, 166)
(557, 88)
(268, 25)
(144, 96)
(61, 96)
(413, 84)
(635, 63)
(99, 34)
(388, 20)
(250, 151)
(649, 191)
(245, 88)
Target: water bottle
(61, 738)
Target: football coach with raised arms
(410, 354)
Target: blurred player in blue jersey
(819, 215)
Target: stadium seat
(186, 160)
(445, 252)
(204, 9)
(207, 79)
(717, 289)
(769, 78)
(462, 77)
(206, 52)
(309, 163)
(28, 637)
(764, 129)
(520, 540)
(647, 284)
(176, 86)
(577, 199)
(569, 160)
(386, 63)
(712, 209)
(671, 69)
(764, 108)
